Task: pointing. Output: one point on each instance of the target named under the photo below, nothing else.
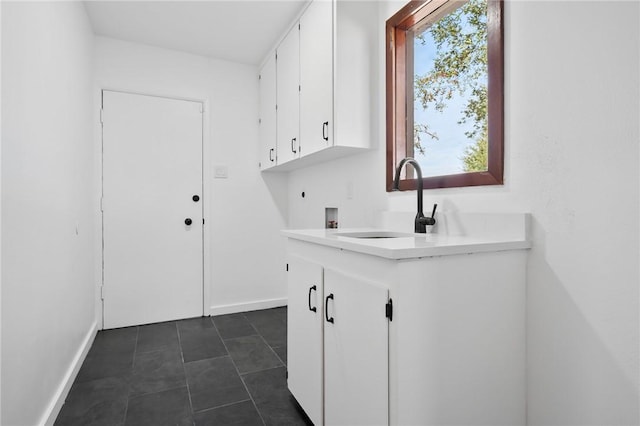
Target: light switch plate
(220, 172)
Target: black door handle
(312, 288)
(293, 141)
(325, 130)
(188, 221)
(326, 308)
(270, 155)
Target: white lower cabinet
(356, 351)
(305, 316)
(453, 351)
(337, 362)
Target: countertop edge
(470, 247)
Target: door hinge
(259, 120)
(102, 204)
(101, 115)
(259, 77)
(203, 220)
(202, 108)
(102, 292)
(388, 311)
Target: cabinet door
(304, 335)
(288, 94)
(268, 114)
(356, 346)
(316, 77)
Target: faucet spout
(421, 222)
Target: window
(445, 93)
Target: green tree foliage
(459, 68)
(476, 156)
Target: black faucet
(421, 221)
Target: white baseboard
(50, 415)
(250, 306)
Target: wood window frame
(399, 78)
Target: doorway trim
(206, 194)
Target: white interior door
(152, 225)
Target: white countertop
(409, 246)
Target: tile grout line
(236, 367)
(274, 352)
(223, 405)
(184, 369)
(267, 343)
(158, 391)
(260, 371)
(133, 363)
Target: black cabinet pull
(312, 288)
(188, 221)
(271, 155)
(293, 141)
(326, 308)
(325, 130)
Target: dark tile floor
(224, 370)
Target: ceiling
(235, 30)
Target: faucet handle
(431, 220)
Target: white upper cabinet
(267, 155)
(316, 77)
(355, 75)
(288, 97)
(325, 80)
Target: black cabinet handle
(325, 130)
(271, 155)
(326, 308)
(312, 288)
(195, 198)
(293, 141)
(188, 221)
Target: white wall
(573, 128)
(246, 210)
(47, 217)
(572, 149)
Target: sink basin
(374, 234)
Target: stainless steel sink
(374, 234)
